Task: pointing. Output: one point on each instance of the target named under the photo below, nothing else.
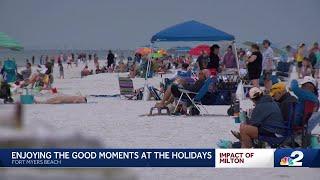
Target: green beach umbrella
(156, 55)
(7, 42)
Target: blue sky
(127, 24)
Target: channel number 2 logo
(293, 160)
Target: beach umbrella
(162, 52)
(144, 51)
(7, 42)
(156, 55)
(196, 51)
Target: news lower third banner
(218, 158)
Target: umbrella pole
(145, 89)
(236, 55)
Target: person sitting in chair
(173, 90)
(5, 92)
(265, 114)
(285, 100)
(307, 92)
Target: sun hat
(278, 87)
(254, 92)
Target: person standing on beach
(41, 59)
(96, 61)
(202, 61)
(214, 60)
(72, 57)
(267, 65)
(229, 60)
(314, 56)
(32, 60)
(254, 64)
(110, 59)
(317, 63)
(61, 71)
(299, 58)
(69, 61)
(90, 57)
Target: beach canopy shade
(196, 51)
(8, 43)
(191, 31)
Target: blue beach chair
(286, 138)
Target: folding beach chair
(283, 70)
(196, 101)
(274, 78)
(155, 93)
(286, 138)
(127, 90)
(309, 108)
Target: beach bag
(27, 98)
(240, 91)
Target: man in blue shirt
(307, 92)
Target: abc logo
(293, 160)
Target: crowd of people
(272, 112)
(272, 102)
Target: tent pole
(236, 55)
(146, 76)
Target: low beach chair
(196, 101)
(292, 131)
(285, 139)
(155, 93)
(309, 108)
(127, 90)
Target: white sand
(118, 124)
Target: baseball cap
(309, 79)
(254, 92)
(278, 87)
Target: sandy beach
(121, 124)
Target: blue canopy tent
(190, 31)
